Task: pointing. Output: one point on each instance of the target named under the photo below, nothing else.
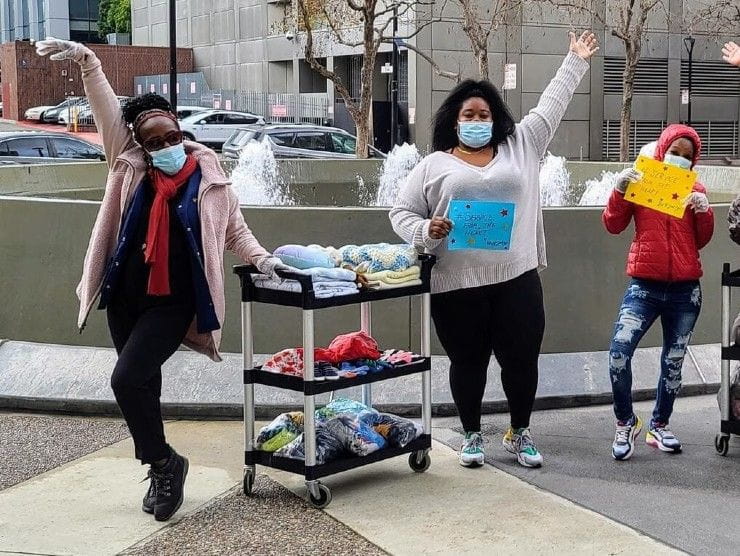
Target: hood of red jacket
(676, 131)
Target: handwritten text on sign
(663, 187)
(481, 225)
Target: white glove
(625, 177)
(698, 202)
(63, 50)
(270, 267)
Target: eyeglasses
(158, 143)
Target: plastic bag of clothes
(285, 428)
(734, 394)
(399, 432)
(340, 406)
(328, 447)
(352, 346)
(356, 437)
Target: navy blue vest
(187, 212)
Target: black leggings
(506, 319)
(144, 340)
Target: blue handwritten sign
(481, 225)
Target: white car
(185, 111)
(84, 112)
(214, 127)
(37, 112)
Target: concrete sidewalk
(92, 506)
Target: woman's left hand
(584, 47)
(698, 202)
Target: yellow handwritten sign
(663, 187)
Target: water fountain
(401, 160)
(256, 179)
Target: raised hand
(62, 50)
(625, 177)
(698, 202)
(585, 46)
(731, 54)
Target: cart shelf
(268, 459)
(297, 384)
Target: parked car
(84, 112)
(185, 111)
(37, 112)
(214, 127)
(297, 141)
(51, 116)
(38, 147)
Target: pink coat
(221, 221)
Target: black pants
(506, 319)
(144, 339)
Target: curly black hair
(444, 134)
(150, 101)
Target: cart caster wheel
(419, 466)
(248, 484)
(323, 500)
(722, 444)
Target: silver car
(297, 141)
(214, 127)
(39, 147)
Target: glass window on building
(83, 21)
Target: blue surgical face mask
(679, 161)
(475, 134)
(170, 159)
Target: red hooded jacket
(664, 248)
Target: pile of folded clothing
(348, 356)
(389, 279)
(327, 282)
(344, 428)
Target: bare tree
(357, 23)
(481, 19)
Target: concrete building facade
(242, 45)
(37, 19)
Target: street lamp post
(394, 81)
(173, 55)
(689, 44)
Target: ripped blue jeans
(678, 305)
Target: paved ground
(691, 500)
(33, 444)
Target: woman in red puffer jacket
(665, 268)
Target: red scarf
(157, 252)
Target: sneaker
(624, 438)
(520, 442)
(660, 436)
(169, 483)
(471, 453)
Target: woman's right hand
(625, 177)
(63, 50)
(440, 227)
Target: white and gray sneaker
(520, 442)
(624, 438)
(661, 436)
(471, 453)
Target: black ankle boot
(168, 483)
(150, 498)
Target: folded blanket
(379, 256)
(321, 290)
(378, 285)
(329, 274)
(391, 277)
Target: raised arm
(104, 104)
(544, 119)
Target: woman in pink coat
(155, 258)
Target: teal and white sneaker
(471, 453)
(520, 442)
(660, 436)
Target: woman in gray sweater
(489, 300)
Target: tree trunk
(482, 57)
(628, 84)
(363, 137)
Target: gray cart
(418, 450)
(730, 352)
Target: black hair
(150, 101)
(444, 134)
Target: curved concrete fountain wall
(43, 241)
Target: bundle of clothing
(344, 428)
(348, 356)
(327, 282)
(339, 272)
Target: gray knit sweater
(512, 176)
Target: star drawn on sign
(633, 195)
(675, 196)
(650, 200)
(467, 206)
(452, 241)
(504, 212)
